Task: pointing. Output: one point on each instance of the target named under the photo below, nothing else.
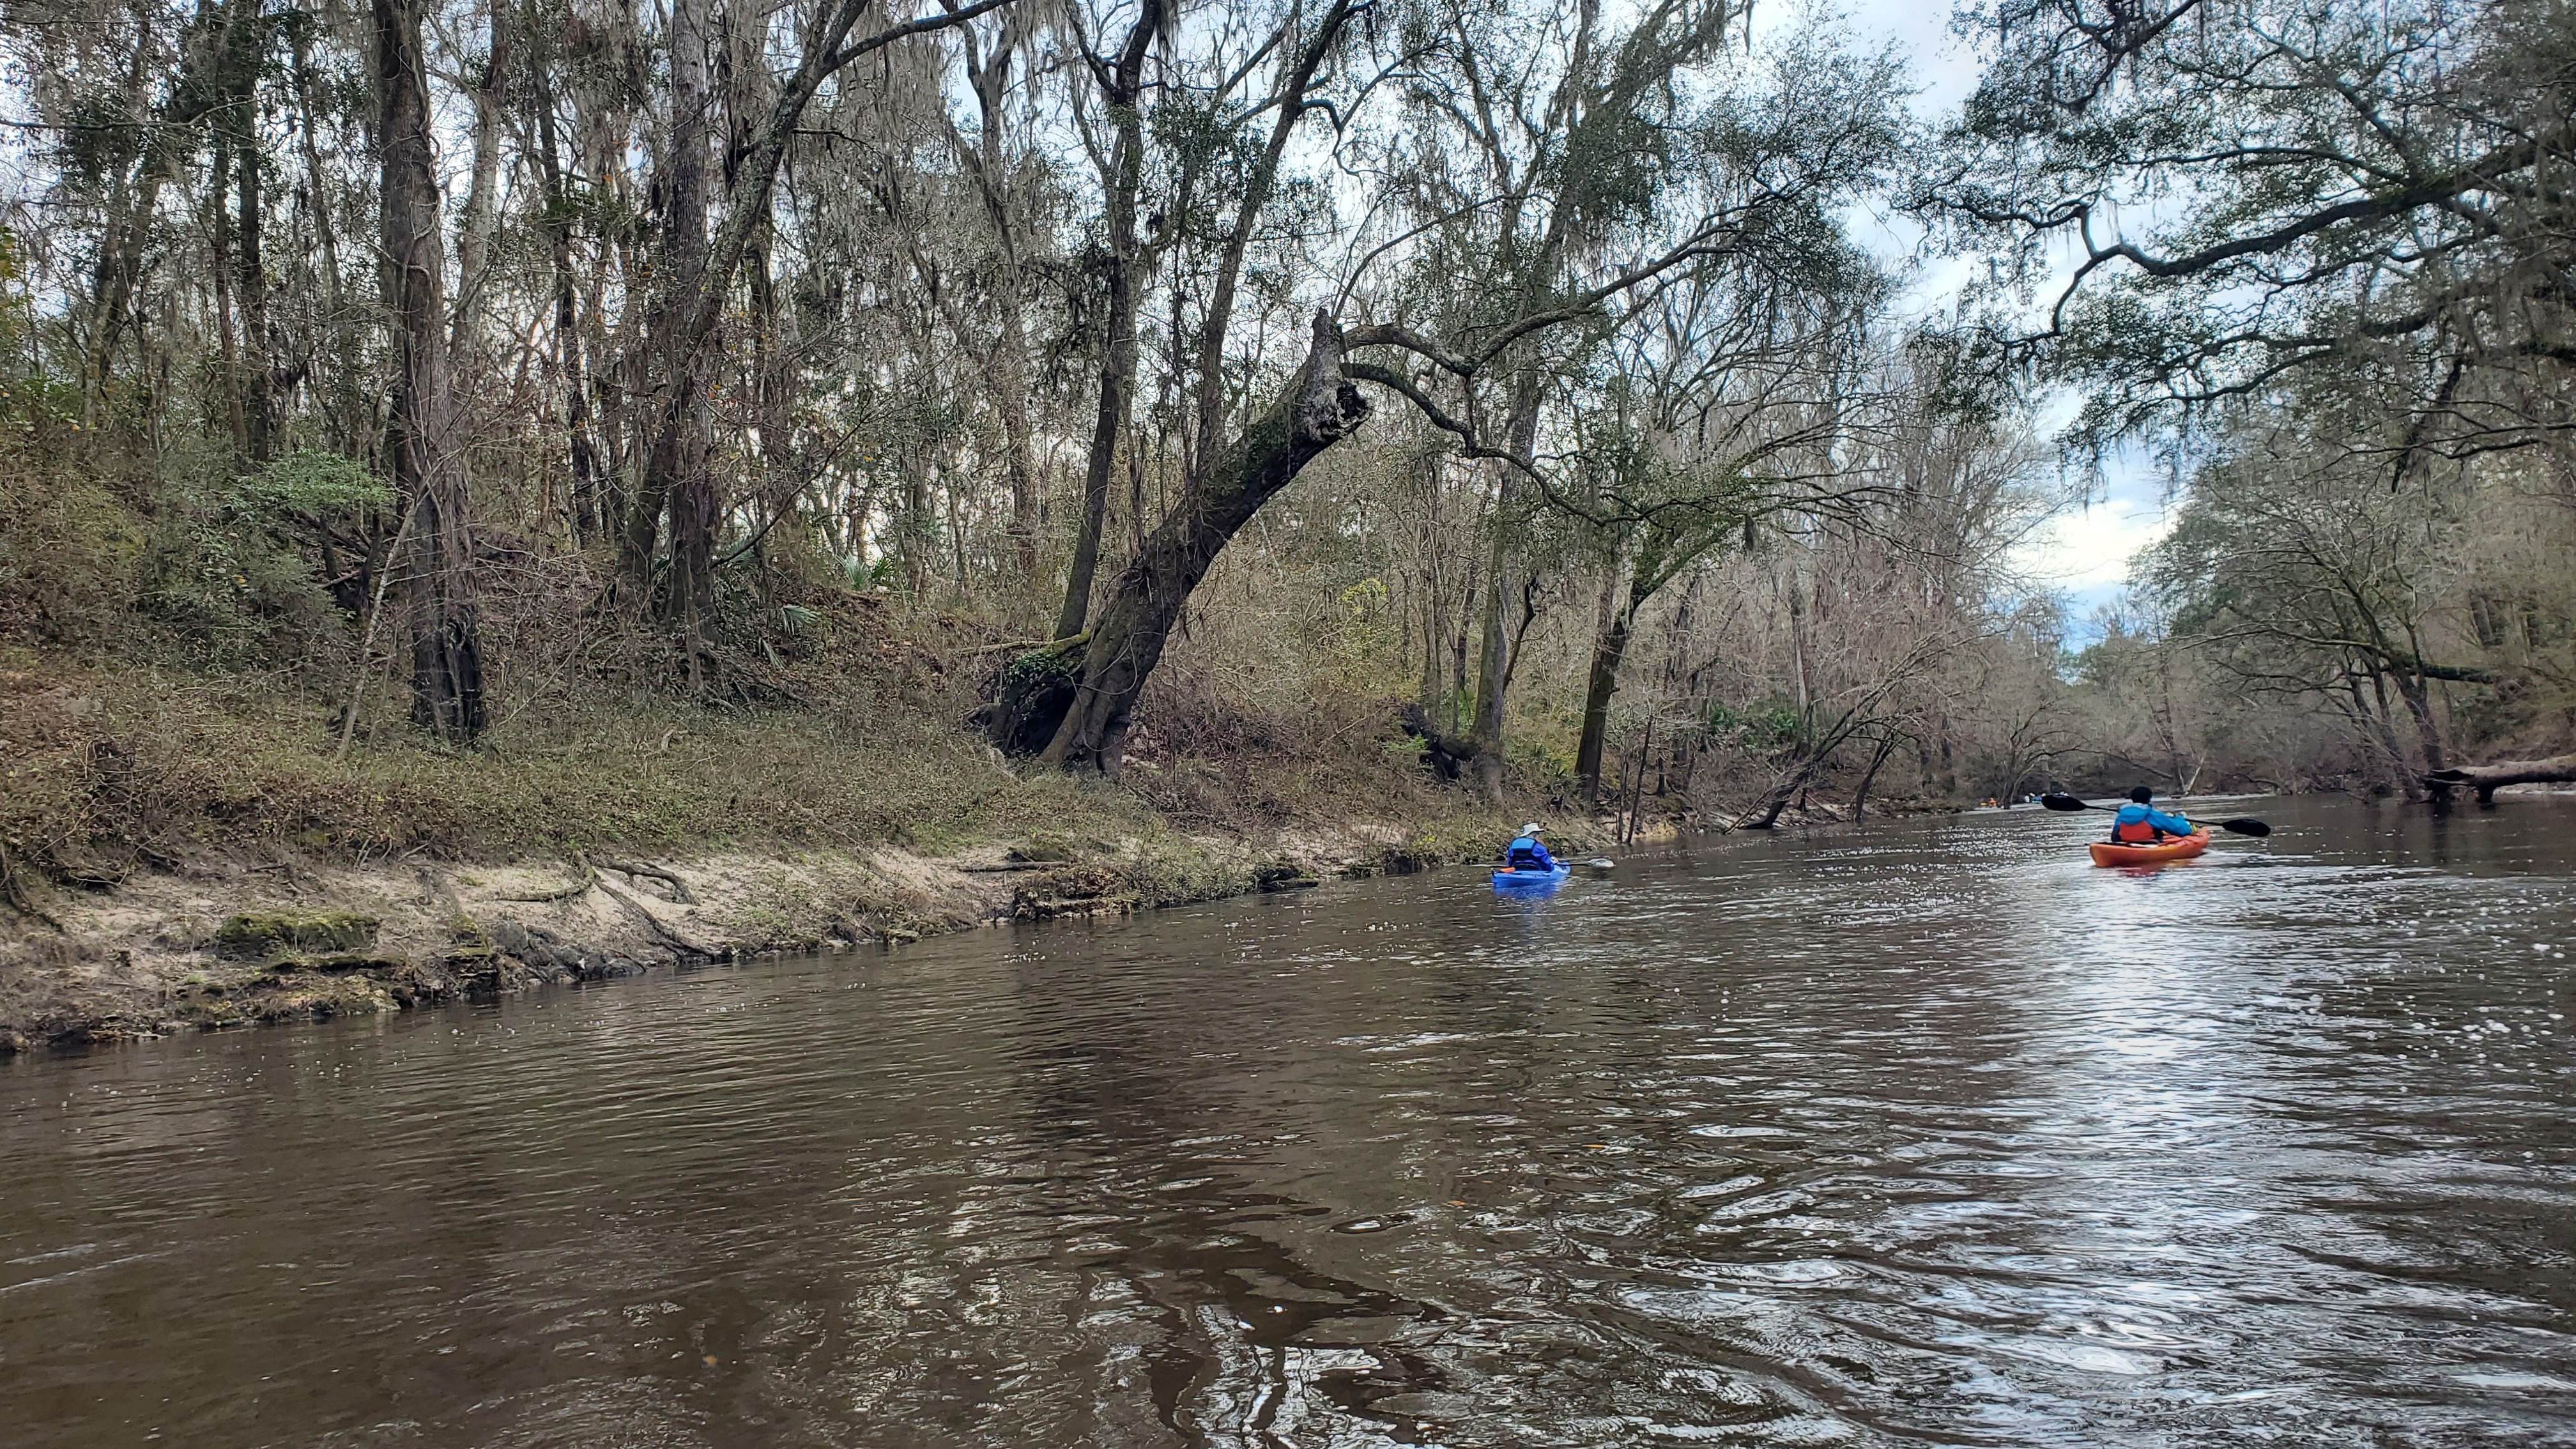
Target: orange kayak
(2105, 853)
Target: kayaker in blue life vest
(1526, 853)
(2140, 823)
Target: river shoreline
(251, 938)
(184, 858)
(178, 853)
(255, 935)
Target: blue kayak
(1507, 879)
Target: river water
(1930, 1135)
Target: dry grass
(111, 767)
(157, 762)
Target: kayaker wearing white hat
(1526, 853)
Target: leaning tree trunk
(1319, 407)
(2418, 695)
(1607, 653)
(428, 465)
(1860, 797)
(1494, 661)
(1766, 815)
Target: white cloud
(2095, 545)
(2085, 552)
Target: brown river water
(1930, 1135)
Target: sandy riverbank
(240, 937)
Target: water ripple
(1930, 1136)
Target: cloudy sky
(2085, 553)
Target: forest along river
(1933, 1134)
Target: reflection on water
(1936, 1134)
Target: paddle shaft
(2243, 826)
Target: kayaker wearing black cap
(2140, 823)
(1526, 853)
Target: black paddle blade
(2062, 802)
(2245, 827)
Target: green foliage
(2265, 187)
(17, 307)
(1614, 168)
(38, 407)
(1363, 629)
(310, 484)
(227, 562)
(1545, 764)
(2416, 613)
(68, 553)
(1039, 670)
(1768, 725)
(70, 539)
(1207, 149)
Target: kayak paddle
(2243, 825)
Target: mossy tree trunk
(1032, 697)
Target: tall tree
(589, 510)
(1121, 159)
(999, 167)
(1727, 404)
(696, 272)
(249, 31)
(422, 445)
(1797, 161)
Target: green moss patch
(258, 935)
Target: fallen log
(2487, 779)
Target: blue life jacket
(2138, 824)
(1526, 851)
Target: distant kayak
(2106, 853)
(1506, 879)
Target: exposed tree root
(14, 892)
(679, 888)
